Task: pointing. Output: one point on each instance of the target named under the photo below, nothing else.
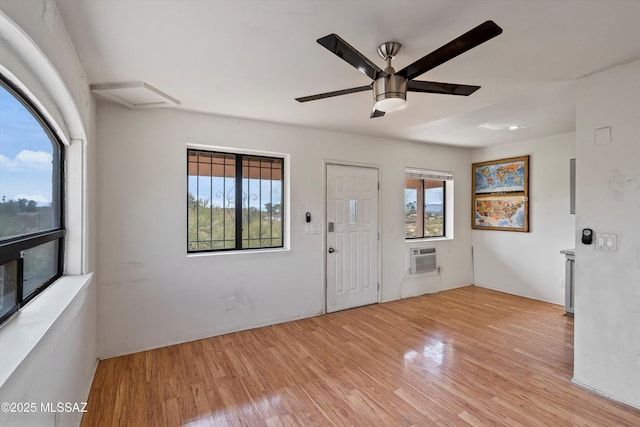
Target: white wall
(152, 294)
(530, 264)
(49, 349)
(61, 365)
(607, 302)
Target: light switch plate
(606, 241)
(313, 229)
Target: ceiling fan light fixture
(390, 93)
(390, 104)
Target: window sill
(427, 239)
(241, 252)
(22, 333)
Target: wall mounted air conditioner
(423, 260)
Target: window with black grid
(234, 201)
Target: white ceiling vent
(134, 95)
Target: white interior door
(352, 237)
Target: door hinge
(378, 235)
(378, 286)
(378, 185)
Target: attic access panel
(134, 95)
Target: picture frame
(500, 194)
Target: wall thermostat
(587, 236)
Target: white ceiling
(251, 58)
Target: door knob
(331, 250)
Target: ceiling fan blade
(443, 88)
(334, 93)
(376, 113)
(348, 53)
(472, 38)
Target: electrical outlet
(562, 283)
(231, 303)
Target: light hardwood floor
(468, 356)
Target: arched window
(31, 200)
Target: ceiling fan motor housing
(390, 92)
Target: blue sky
(223, 191)
(432, 197)
(25, 154)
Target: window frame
(238, 179)
(447, 188)
(12, 249)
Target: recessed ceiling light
(497, 126)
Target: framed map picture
(500, 197)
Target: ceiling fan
(390, 87)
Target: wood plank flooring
(468, 356)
